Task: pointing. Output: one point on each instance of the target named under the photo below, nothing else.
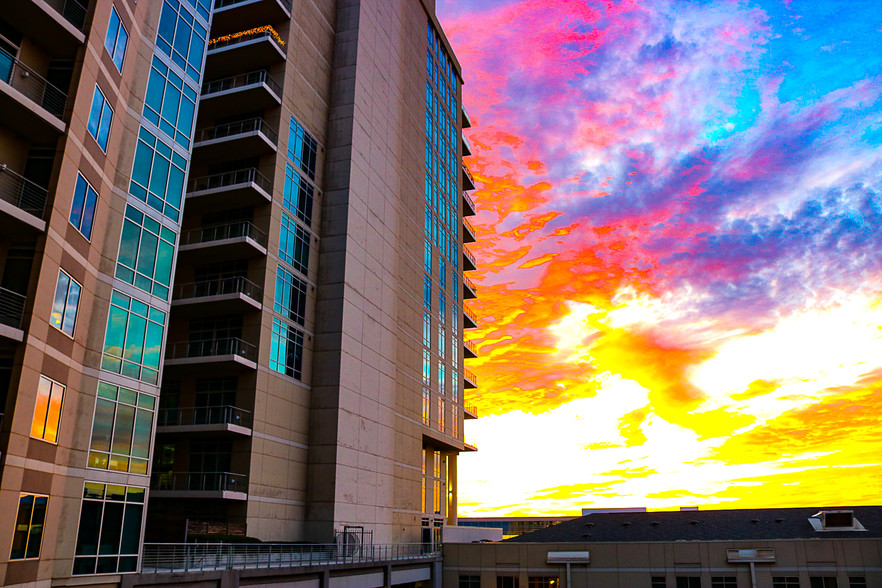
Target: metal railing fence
(239, 81)
(224, 231)
(233, 129)
(32, 84)
(22, 192)
(218, 287)
(211, 347)
(231, 178)
(11, 308)
(199, 481)
(205, 415)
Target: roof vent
(693, 522)
(836, 520)
(654, 524)
(754, 521)
(626, 524)
(779, 520)
(589, 525)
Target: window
(544, 582)
(82, 210)
(302, 148)
(100, 117)
(723, 582)
(659, 582)
(470, 582)
(427, 292)
(170, 103)
(442, 342)
(146, 251)
(427, 257)
(442, 411)
(133, 340)
(454, 384)
(507, 581)
(182, 37)
(121, 429)
(294, 244)
(688, 582)
(822, 582)
(442, 379)
(110, 529)
(116, 39)
(857, 582)
(64, 307)
(47, 410)
(785, 582)
(426, 405)
(298, 195)
(290, 299)
(427, 367)
(286, 349)
(28, 533)
(158, 175)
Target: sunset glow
(679, 253)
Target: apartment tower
(231, 277)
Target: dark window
(28, 533)
(659, 582)
(688, 582)
(785, 582)
(723, 582)
(823, 582)
(857, 582)
(110, 529)
(470, 582)
(82, 210)
(544, 582)
(507, 582)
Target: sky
(679, 253)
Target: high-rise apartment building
(231, 277)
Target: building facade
(232, 290)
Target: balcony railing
(251, 125)
(240, 81)
(232, 178)
(241, 37)
(471, 409)
(11, 308)
(218, 4)
(224, 231)
(211, 348)
(31, 84)
(469, 256)
(470, 284)
(468, 231)
(192, 557)
(199, 481)
(470, 210)
(470, 376)
(470, 349)
(72, 11)
(470, 315)
(468, 176)
(205, 415)
(21, 192)
(219, 287)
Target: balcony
(31, 106)
(470, 381)
(11, 313)
(244, 50)
(230, 352)
(246, 92)
(466, 147)
(233, 189)
(230, 295)
(235, 14)
(468, 231)
(470, 321)
(56, 25)
(469, 412)
(205, 419)
(468, 183)
(465, 120)
(224, 485)
(242, 139)
(239, 239)
(469, 445)
(22, 203)
(468, 205)
(469, 351)
(469, 290)
(468, 261)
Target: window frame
(89, 487)
(47, 411)
(113, 47)
(100, 132)
(84, 199)
(61, 323)
(29, 531)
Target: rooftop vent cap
(836, 520)
(754, 521)
(654, 524)
(693, 522)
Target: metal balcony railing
(211, 348)
(31, 84)
(21, 192)
(219, 286)
(224, 231)
(232, 178)
(233, 129)
(470, 347)
(470, 257)
(470, 376)
(470, 202)
(470, 284)
(469, 176)
(467, 226)
(470, 408)
(199, 481)
(471, 443)
(72, 11)
(246, 36)
(11, 308)
(239, 81)
(218, 4)
(469, 313)
(191, 557)
(205, 415)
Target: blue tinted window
(290, 300)
(181, 37)
(146, 251)
(286, 349)
(64, 307)
(133, 340)
(302, 148)
(100, 117)
(294, 244)
(298, 195)
(170, 103)
(158, 175)
(116, 40)
(82, 210)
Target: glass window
(170, 103)
(290, 299)
(286, 349)
(427, 367)
(688, 582)
(64, 307)
(82, 210)
(442, 380)
(857, 582)
(294, 244)
(121, 429)
(47, 410)
(302, 148)
(822, 582)
(454, 384)
(785, 582)
(507, 582)
(116, 40)
(544, 582)
(133, 340)
(723, 582)
(146, 252)
(470, 582)
(427, 330)
(427, 292)
(442, 410)
(28, 533)
(659, 582)
(100, 117)
(427, 401)
(110, 529)
(298, 195)
(181, 37)
(158, 175)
